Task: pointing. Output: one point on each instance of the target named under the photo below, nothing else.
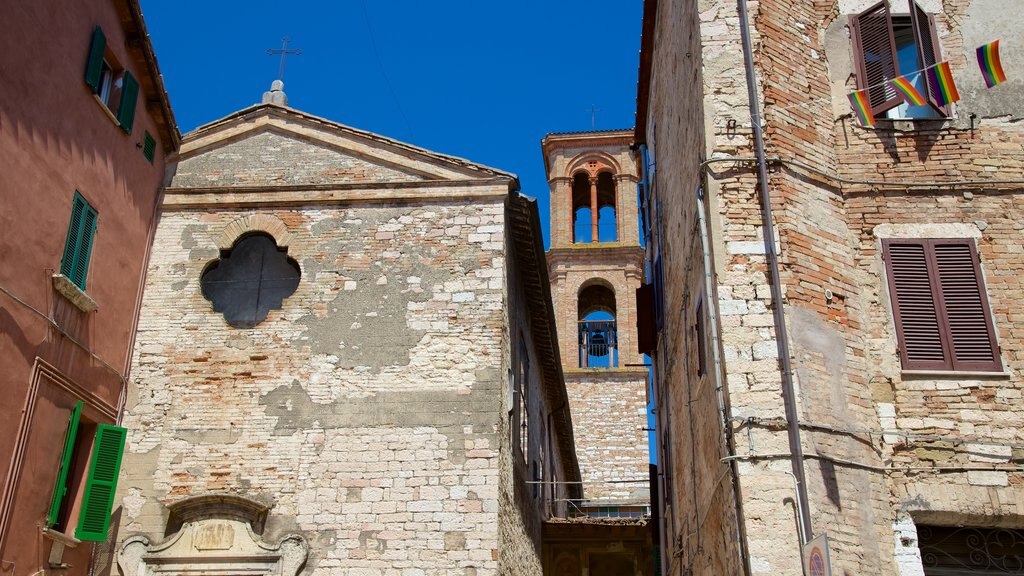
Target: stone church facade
(346, 362)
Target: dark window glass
(250, 280)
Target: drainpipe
(781, 337)
(712, 302)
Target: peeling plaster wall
(364, 412)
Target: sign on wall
(816, 562)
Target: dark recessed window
(250, 280)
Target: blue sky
(478, 79)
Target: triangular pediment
(270, 146)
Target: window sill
(110, 114)
(61, 538)
(74, 294)
(922, 374)
(912, 124)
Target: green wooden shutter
(126, 109)
(84, 250)
(149, 147)
(67, 263)
(78, 246)
(94, 67)
(101, 484)
(60, 489)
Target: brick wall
(865, 486)
(608, 403)
(369, 412)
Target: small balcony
(598, 344)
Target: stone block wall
(364, 412)
(699, 528)
(885, 448)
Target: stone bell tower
(596, 264)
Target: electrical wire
(875, 184)
(911, 436)
(387, 82)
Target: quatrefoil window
(249, 280)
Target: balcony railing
(598, 344)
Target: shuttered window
(877, 54)
(943, 320)
(115, 86)
(101, 483)
(60, 489)
(74, 264)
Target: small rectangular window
(148, 147)
(886, 47)
(114, 86)
(940, 306)
(78, 246)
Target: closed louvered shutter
(941, 311)
(874, 55)
(74, 264)
(969, 321)
(927, 44)
(101, 484)
(915, 308)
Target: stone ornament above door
(215, 536)
(212, 547)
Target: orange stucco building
(85, 126)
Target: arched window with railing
(597, 338)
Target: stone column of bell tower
(596, 264)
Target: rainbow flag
(862, 107)
(940, 79)
(991, 66)
(906, 90)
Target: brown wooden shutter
(966, 309)
(914, 301)
(874, 55)
(927, 43)
(646, 328)
(943, 320)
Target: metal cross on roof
(284, 51)
(593, 115)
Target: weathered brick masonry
(368, 414)
(608, 402)
(887, 449)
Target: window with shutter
(941, 310)
(886, 47)
(101, 483)
(78, 245)
(114, 86)
(60, 488)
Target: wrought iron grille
(598, 344)
(954, 551)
